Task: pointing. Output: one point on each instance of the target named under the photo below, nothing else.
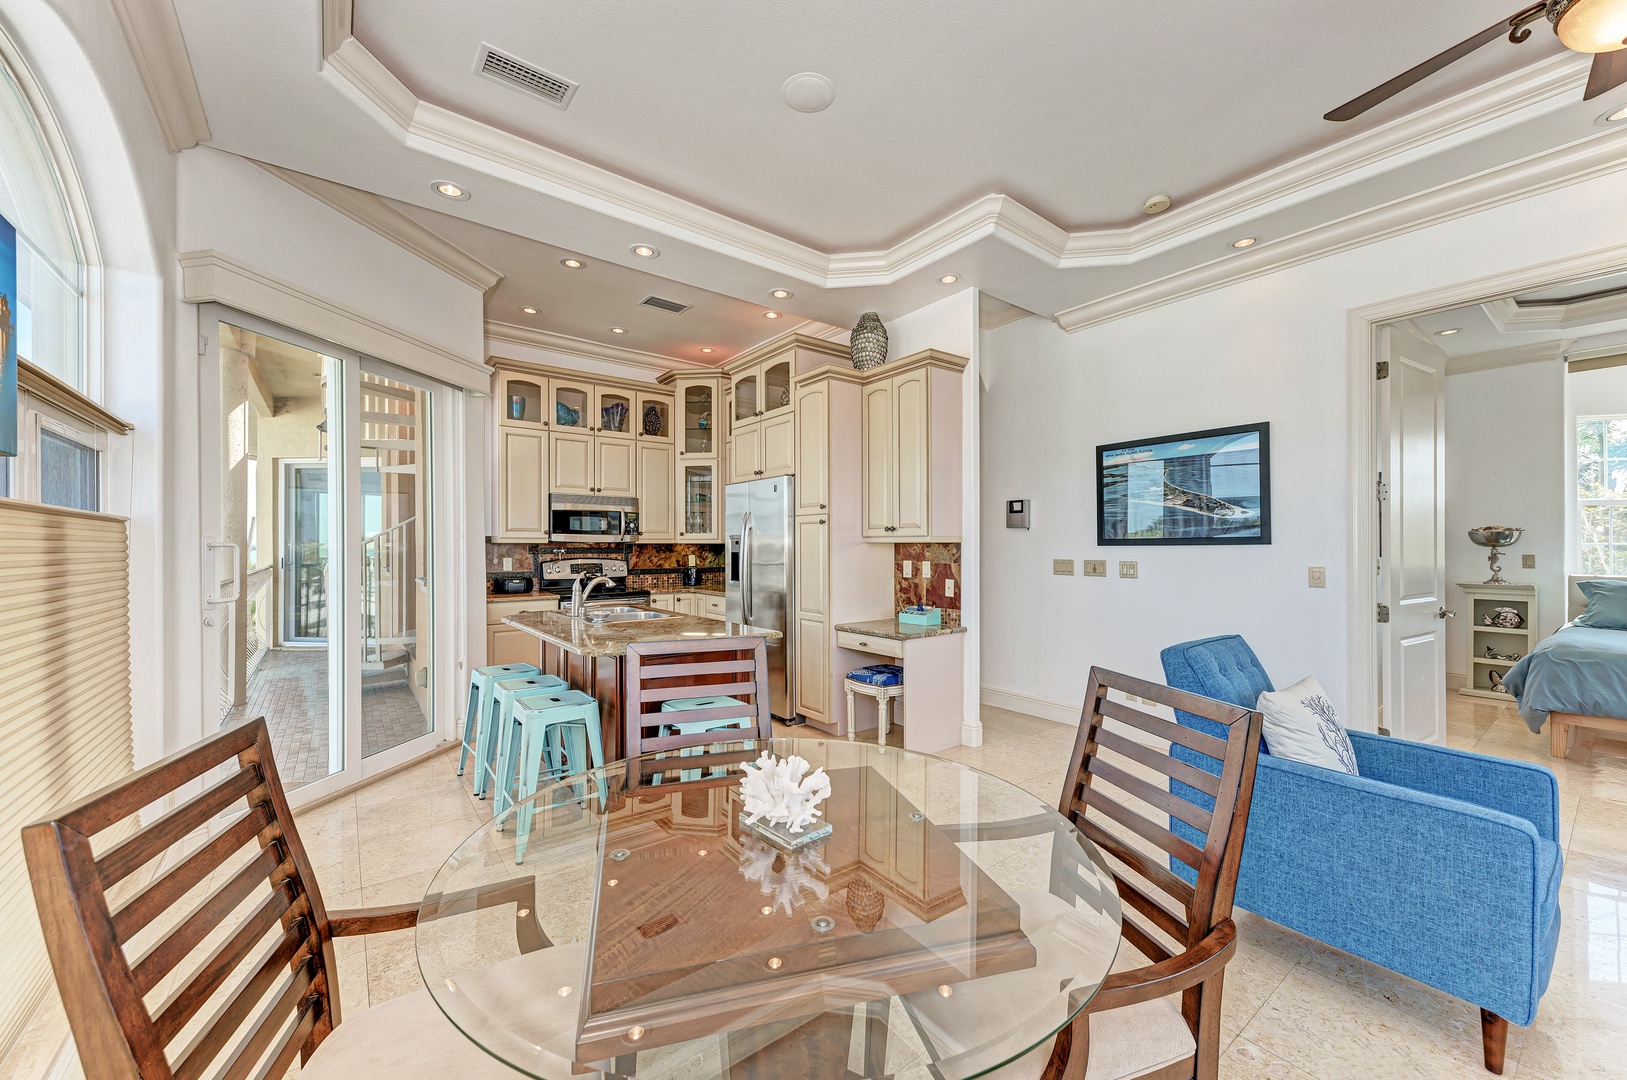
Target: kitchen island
(590, 656)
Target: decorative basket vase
(869, 342)
(652, 419)
(865, 903)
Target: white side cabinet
(1484, 670)
(912, 448)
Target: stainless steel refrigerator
(760, 522)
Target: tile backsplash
(945, 560)
(649, 566)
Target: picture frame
(1195, 487)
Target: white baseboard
(1456, 680)
(66, 1066)
(1059, 712)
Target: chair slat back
(662, 671)
(177, 964)
(1155, 815)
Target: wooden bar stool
(885, 683)
(532, 720)
(504, 693)
(659, 672)
(477, 714)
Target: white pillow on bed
(1301, 725)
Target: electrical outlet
(1093, 567)
(692, 560)
(949, 587)
(1528, 562)
(508, 564)
(1062, 567)
(1129, 569)
(926, 570)
(1318, 577)
(909, 568)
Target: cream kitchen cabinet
(745, 453)
(762, 404)
(506, 644)
(522, 513)
(581, 464)
(912, 448)
(616, 467)
(699, 503)
(813, 448)
(657, 516)
(698, 433)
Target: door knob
(1443, 613)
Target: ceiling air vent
(663, 304)
(556, 90)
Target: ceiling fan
(1585, 26)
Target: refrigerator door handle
(745, 567)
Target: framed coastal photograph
(8, 339)
(1200, 487)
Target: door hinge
(1384, 613)
(1383, 369)
(1383, 488)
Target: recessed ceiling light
(644, 251)
(808, 92)
(529, 310)
(449, 189)
(617, 330)
(1245, 241)
(771, 314)
(571, 264)
(1449, 333)
(948, 279)
(1156, 204)
(1617, 116)
(705, 349)
(781, 294)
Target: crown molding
(373, 212)
(1512, 318)
(1596, 156)
(994, 215)
(152, 30)
(793, 339)
(209, 276)
(501, 333)
(1536, 352)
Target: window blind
(64, 703)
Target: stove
(559, 576)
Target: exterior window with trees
(1601, 494)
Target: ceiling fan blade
(1356, 106)
(1609, 71)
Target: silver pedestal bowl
(1495, 537)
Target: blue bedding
(1578, 670)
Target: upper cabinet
(573, 404)
(912, 449)
(700, 402)
(521, 399)
(744, 389)
(614, 413)
(762, 414)
(698, 413)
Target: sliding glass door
(320, 553)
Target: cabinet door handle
(821, 506)
(821, 521)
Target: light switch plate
(1129, 569)
(909, 568)
(926, 570)
(1317, 578)
(1528, 562)
(1062, 567)
(508, 564)
(1093, 567)
(692, 560)
(949, 587)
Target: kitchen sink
(597, 616)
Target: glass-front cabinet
(699, 419)
(655, 417)
(572, 406)
(614, 414)
(776, 386)
(746, 407)
(521, 399)
(697, 502)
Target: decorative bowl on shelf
(1495, 537)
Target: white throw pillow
(1300, 725)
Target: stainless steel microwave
(592, 517)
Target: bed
(1575, 678)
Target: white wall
(1271, 348)
(1600, 392)
(951, 325)
(1505, 465)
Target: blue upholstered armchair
(1436, 863)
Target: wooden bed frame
(1559, 723)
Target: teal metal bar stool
(476, 715)
(747, 719)
(498, 706)
(531, 721)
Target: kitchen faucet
(579, 594)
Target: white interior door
(1412, 552)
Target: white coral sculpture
(783, 792)
(804, 871)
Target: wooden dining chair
(160, 986)
(1121, 791)
(662, 671)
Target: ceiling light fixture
(617, 330)
(808, 92)
(1156, 204)
(571, 264)
(529, 310)
(781, 294)
(705, 349)
(450, 190)
(1245, 241)
(948, 279)
(1590, 26)
(1615, 117)
(1450, 332)
(644, 251)
(771, 314)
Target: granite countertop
(612, 639)
(893, 630)
(521, 596)
(710, 590)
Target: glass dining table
(641, 928)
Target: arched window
(50, 260)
